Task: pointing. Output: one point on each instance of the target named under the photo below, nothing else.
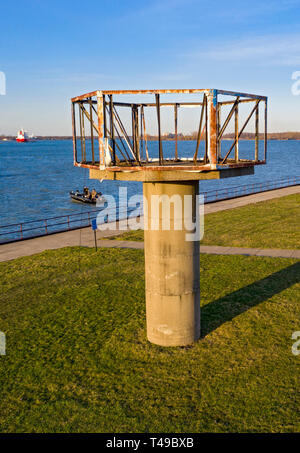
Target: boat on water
(87, 196)
(22, 136)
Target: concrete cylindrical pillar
(172, 264)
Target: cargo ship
(22, 136)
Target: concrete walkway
(274, 253)
(85, 236)
(212, 249)
(53, 242)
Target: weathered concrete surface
(159, 175)
(172, 265)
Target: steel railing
(66, 222)
(227, 193)
(51, 225)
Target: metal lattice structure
(170, 173)
(101, 140)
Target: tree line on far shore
(190, 136)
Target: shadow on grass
(226, 308)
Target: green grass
(78, 359)
(268, 224)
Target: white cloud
(278, 50)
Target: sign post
(94, 228)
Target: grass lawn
(78, 359)
(268, 224)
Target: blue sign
(94, 224)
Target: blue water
(36, 177)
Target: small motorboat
(86, 196)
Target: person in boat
(86, 192)
(93, 194)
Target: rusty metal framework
(101, 140)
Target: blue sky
(53, 50)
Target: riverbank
(85, 236)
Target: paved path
(85, 237)
(274, 253)
(57, 242)
(212, 249)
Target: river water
(36, 177)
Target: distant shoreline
(171, 137)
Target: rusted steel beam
(212, 131)
(112, 131)
(195, 157)
(236, 133)
(175, 128)
(133, 131)
(266, 132)
(219, 141)
(111, 152)
(126, 138)
(241, 131)
(142, 133)
(127, 158)
(162, 104)
(183, 91)
(241, 101)
(229, 116)
(74, 132)
(233, 93)
(83, 134)
(86, 101)
(191, 168)
(200, 132)
(101, 92)
(104, 118)
(90, 119)
(92, 132)
(136, 133)
(172, 104)
(145, 133)
(206, 130)
(161, 157)
(100, 130)
(179, 91)
(121, 140)
(126, 104)
(84, 96)
(256, 133)
(80, 128)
